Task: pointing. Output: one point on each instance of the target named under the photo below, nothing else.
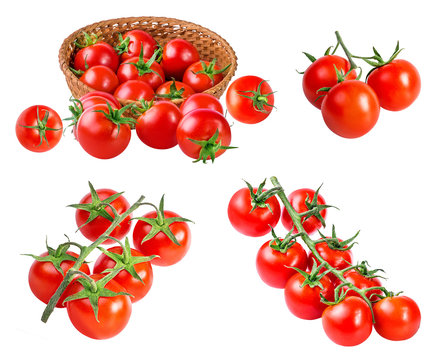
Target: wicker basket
(209, 44)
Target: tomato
(100, 78)
(113, 312)
(134, 90)
(397, 317)
(93, 215)
(44, 278)
(397, 84)
(298, 201)
(201, 101)
(321, 73)
(106, 95)
(96, 53)
(362, 282)
(168, 251)
(172, 90)
(349, 322)
(137, 287)
(273, 266)
(98, 100)
(101, 137)
(203, 75)
(304, 301)
(249, 99)
(158, 125)
(132, 41)
(209, 130)
(39, 128)
(178, 55)
(350, 109)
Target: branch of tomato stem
(346, 51)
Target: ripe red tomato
(132, 41)
(273, 266)
(137, 68)
(169, 252)
(298, 201)
(133, 286)
(178, 55)
(39, 128)
(172, 90)
(397, 317)
(134, 90)
(106, 95)
(100, 78)
(98, 100)
(44, 278)
(201, 101)
(305, 301)
(209, 130)
(396, 84)
(349, 322)
(158, 125)
(362, 282)
(350, 109)
(113, 312)
(321, 73)
(203, 75)
(249, 99)
(96, 53)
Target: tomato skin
(127, 72)
(305, 302)
(99, 225)
(137, 38)
(134, 90)
(103, 94)
(201, 101)
(396, 84)
(321, 73)
(164, 89)
(241, 108)
(44, 279)
(157, 126)
(30, 138)
(101, 53)
(113, 312)
(178, 55)
(350, 109)
(273, 266)
(200, 82)
(100, 78)
(252, 223)
(362, 282)
(297, 199)
(97, 100)
(396, 318)
(133, 286)
(169, 253)
(348, 323)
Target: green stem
(346, 51)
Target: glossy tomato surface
(137, 39)
(101, 78)
(103, 94)
(184, 91)
(198, 81)
(100, 53)
(201, 101)
(178, 55)
(362, 282)
(134, 90)
(154, 77)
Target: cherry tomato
(134, 90)
(136, 68)
(350, 109)
(172, 90)
(349, 322)
(39, 128)
(97, 53)
(178, 55)
(158, 125)
(396, 84)
(249, 99)
(203, 75)
(103, 94)
(397, 317)
(201, 101)
(321, 73)
(362, 282)
(131, 47)
(100, 78)
(97, 100)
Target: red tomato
(298, 201)
(134, 90)
(113, 312)
(101, 137)
(348, 323)
(169, 253)
(321, 73)
(305, 301)
(397, 317)
(132, 41)
(100, 78)
(96, 53)
(103, 94)
(172, 90)
(273, 266)
(44, 278)
(350, 109)
(39, 128)
(158, 125)
(201, 101)
(133, 286)
(137, 68)
(362, 282)
(208, 127)
(203, 75)
(249, 99)
(396, 84)
(178, 54)
(97, 100)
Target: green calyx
(123, 46)
(76, 109)
(335, 243)
(210, 71)
(161, 223)
(259, 198)
(145, 67)
(283, 245)
(115, 116)
(143, 107)
(174, 92)
(259, 100)
(312, 279)
(363, 269)
(89, 40)
(209, 148)
(314, 209)
(376, 60)
(41, 126)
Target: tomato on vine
(363, 278)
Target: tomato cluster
(321, 282)
(99, 304)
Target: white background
(212, 305)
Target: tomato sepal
(313, 278)
(259, 100)
(145, 67)
(209, 148)
(89, 40)
(174, 93)
(335, 243)
(259, 198)
(283, 245)
(209, 70)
